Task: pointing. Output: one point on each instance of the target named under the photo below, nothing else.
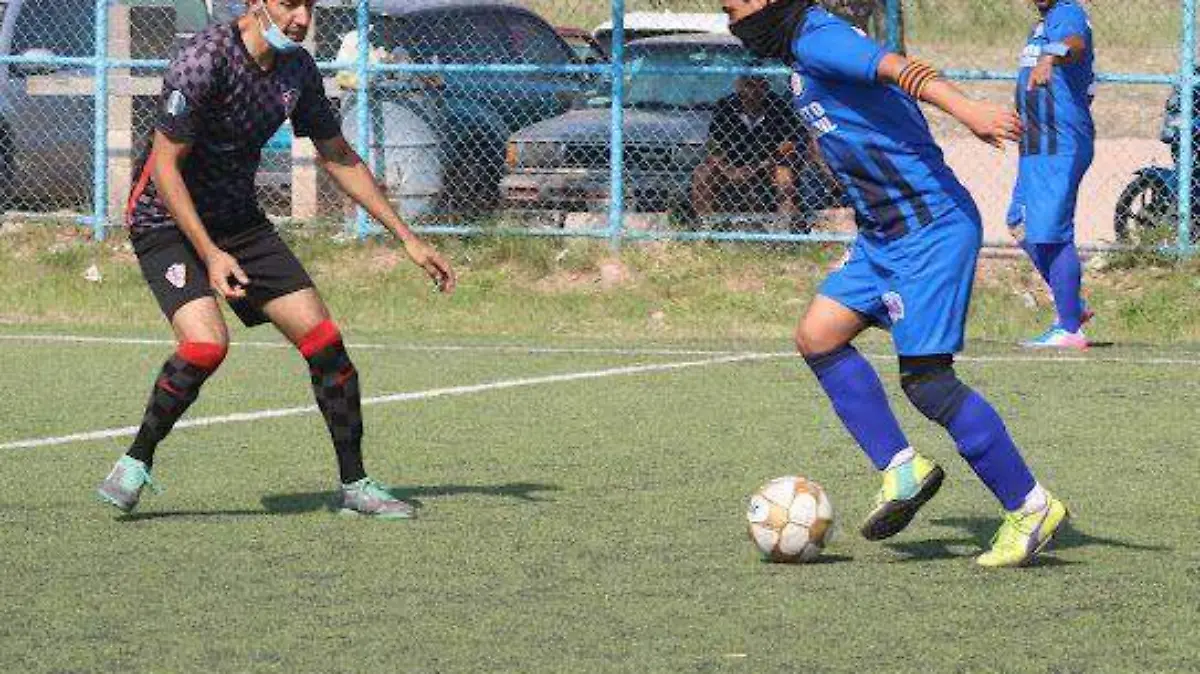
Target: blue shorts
(917, 286)
(1043, 201)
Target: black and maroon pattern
(335, 386)
(216, 97)
(177, 387)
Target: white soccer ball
(791, 519)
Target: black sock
(335, 385)
(177, 387)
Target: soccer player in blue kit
(911, 268)
(1054, 94)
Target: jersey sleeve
(1064, 21)
(189, 85)
(837, 51)
(314, 116)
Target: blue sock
(985, 443)
(1066, 277)
(859, 400)
(1040, 262)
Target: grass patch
(584, 526)
(579, 289)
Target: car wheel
(1145, 210)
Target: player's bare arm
(1040, 75)
(168, 157)
(354, 178)
(991, 123)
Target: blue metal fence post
(1187, 88)
(362, 105)
(893, 25)
(100, 123)
(616, 154)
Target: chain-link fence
(492, 115)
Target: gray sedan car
(562, 163)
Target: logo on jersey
(289, 99)
(177, 275)
(797, 84)
(176, 103)
(895, 306)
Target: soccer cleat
(1058, 338)
(369, 498)
(1022, 536)
(123, 486)
(905, 489)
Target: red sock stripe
(203, 355)
(324, 335)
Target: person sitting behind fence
(347, 52)
(752, 154)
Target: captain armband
(915, 76)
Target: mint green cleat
(123, 487)
(369, 498)
(905, 489)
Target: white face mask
(273, 35)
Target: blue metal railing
(616, 71)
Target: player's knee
(319, 339)
(206, 356)
(932, 387)
(813, 338)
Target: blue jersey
(873, 136)
(1058, 118)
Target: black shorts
(176, 275)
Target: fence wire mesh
(490, 113)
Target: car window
(690, 91)
(455, 37)
(532, 41)
(65, 27)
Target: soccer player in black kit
(198, 232)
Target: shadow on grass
(978, 535)
(308, 502)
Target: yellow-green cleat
(905, 489)
(1022, 536)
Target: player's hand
(994, 124)
(1041, 74)
(425, 257)
(225, 276)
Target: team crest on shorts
(895, 306)
(177, 275)
(289, 99)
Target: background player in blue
(911, 268)
(1054, 95)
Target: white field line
(129, 431)
(600, 351)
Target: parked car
(46, 111)
(639, 25)
(563, 163)
(462, 118)
(586, 48)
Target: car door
(49, 109)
